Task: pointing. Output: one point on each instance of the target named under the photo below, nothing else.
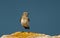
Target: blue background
(44, 16)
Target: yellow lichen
(23, 35)
(28, 35)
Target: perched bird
(25, 20)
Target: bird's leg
(28, 30)
(22, 31)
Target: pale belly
(23, 21)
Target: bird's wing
(28, 19)
(20, 19)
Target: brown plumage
(25, 20)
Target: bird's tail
(27, 28)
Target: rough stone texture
(28, 35)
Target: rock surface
(28, 35)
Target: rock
(28, 35)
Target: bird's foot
(22, 31)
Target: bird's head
(25, 13)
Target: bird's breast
(23, 20)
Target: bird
(25, 20)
